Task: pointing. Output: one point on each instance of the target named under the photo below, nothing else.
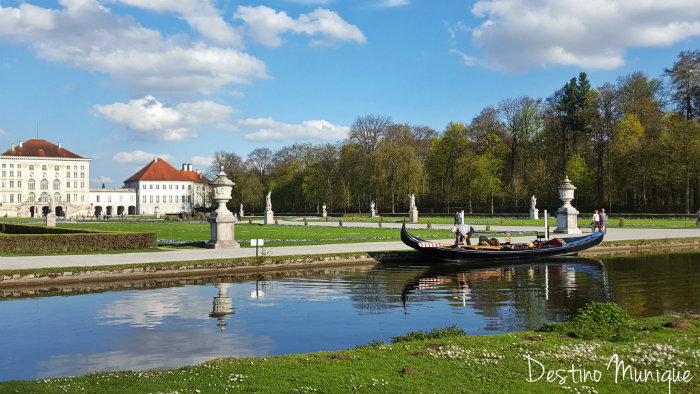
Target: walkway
(30, 262)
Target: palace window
(67, 174)
(56, 184)
(19, 172)
(157, 199)
(144, 199)
(31, 184)
(67, 184)
(31, 197)
(31, 167)
(43, 167)
(151, 199)
(67, 197)
(157, 186)
(44, 184)
(12, 198)
(12, 173)
(44, 197)
(55, 168)
(12, 183)
(19, 183)
(98, 198)
(56, 197)
(171, 198)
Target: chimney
(189, 167)
(155, 159)
(197, 172)
(20, 144)
(13, 147)
(184, 167)
(59, 144)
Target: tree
(487, 184)
(368, 131)
(230, 162)
(685, 79)
(396, 172)
(441, 164)
(573, 104)
(680, 149)
(261, 159)
(522, 118)
(627, 154)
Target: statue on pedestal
(268, 202)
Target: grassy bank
(444, 361)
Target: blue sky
(121, 81)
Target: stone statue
(268, 202)
(371, 206)
(413, 202)
(533, 202)
(240, 211)
(51, 207)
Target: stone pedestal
(222, 232)
(324, 213)
(269, 217)
(413, 216)
(567, 215)
(534, 214)
(50, 220)
(222, 306)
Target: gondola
(535, 249)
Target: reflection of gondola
(554, 247)
(460, 274)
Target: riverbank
(655, 355)
(42, 271)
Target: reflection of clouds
(149, 308)
(149, 349)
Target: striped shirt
(464, 229)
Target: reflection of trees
(656, 284)
(379, 290)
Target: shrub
(598, 320)
(430, 225)
(601, 313)
(340, 222)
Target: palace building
(38, 174)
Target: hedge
(38, 239)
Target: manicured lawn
(438, 364)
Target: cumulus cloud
(265, 25)
(267, 129)
(102, 179)
(140, 157)
(86, 35)
(518, 35)
(201, 15)
(202, 161)
(150, 119)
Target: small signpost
(256, 243)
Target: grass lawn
(442, 361)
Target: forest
(629, 146)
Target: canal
(147, 325)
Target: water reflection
(192, 320)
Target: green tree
(685, 79)
(487, 184)
(441, 164)
(396, 172)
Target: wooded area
(631, 146)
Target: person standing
(463, 234)
(603, 221)
(595, 223)
(458, 218)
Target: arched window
(44, 184)
(32, 197)
(56, 197)
(44, 197)
(56, 184)
(31, 184)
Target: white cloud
(140, 157)
(266, 24)
(199, 14)
(102, 179)
(518, 35)
(268, 129)
(86, 35)
(3, 132)
(202, 161)
(392, 3)
(148, 118)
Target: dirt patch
(533, 339)
(337, 356)
(679, 324)
(434, 346)
(416, 354)
(408, 371)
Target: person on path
(603, 221)
(595, 223)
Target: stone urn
(221, 221)
(567, 215)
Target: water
(104, 327)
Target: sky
(123, 81)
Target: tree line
(628, 146)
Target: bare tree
(261, 159)
(367, 131)
(231, 163)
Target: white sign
(257, 242)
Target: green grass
(428, 363)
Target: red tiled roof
(40, 148)
(158, 170)
(194, 176)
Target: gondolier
(463, 233)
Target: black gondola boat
(536, 249)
